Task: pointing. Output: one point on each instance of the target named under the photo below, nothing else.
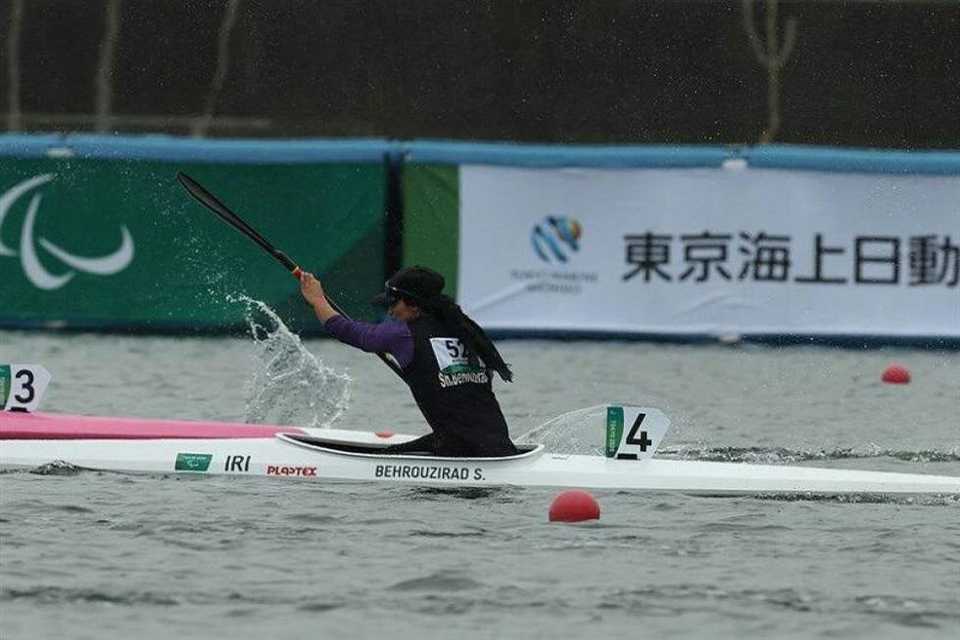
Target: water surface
(95, 555)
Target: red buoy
(896, 374)
(574, 506)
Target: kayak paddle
(211, 202)
(224, 212)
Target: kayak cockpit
(345, 447)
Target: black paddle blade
(210, 201)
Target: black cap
(419, 284)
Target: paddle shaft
(214, 204)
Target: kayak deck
(334, 445)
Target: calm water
(104, 555)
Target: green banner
(431, 219)
(118, 243)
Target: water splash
(781, 455)
(57, 468)
(583, 431)
(926, 500)
(580, 431)
(290, 386)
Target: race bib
(452, 355)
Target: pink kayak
(48, 426)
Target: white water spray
(583, 431)
(290, 386)
(576, 432)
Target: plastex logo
(556, 238)
(36, 273)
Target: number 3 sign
(21, 386)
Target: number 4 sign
(634, 433)
(22, 386)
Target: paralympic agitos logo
(35, 271)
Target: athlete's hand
(311, 289)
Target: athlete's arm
(312, 292)
(392, 337)
(388, 337)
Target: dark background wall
(875, 74)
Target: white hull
(284, 456)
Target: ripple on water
(426, 533)
(319, 607)
(437, 582)
(312, 518)
(57, 595)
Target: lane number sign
(22, 386)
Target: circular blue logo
(555, 238)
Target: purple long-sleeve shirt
(390, 336)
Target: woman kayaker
(445, 357)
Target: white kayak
(632, 435)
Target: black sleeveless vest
(456, 398)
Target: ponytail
(480, 346)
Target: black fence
(874, 74)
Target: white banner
(710, 251)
